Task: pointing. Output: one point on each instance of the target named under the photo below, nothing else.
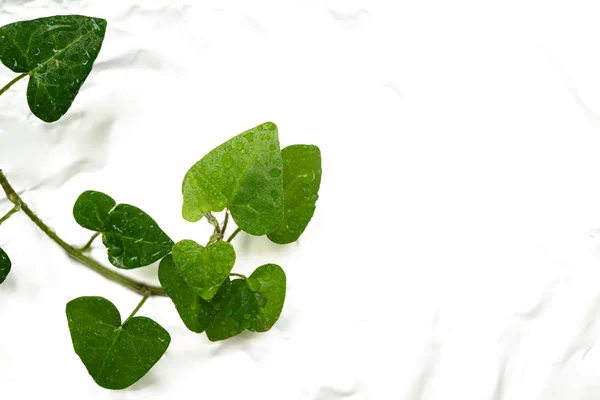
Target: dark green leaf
(268, 284)
(58, 53)
(254, 304)
(116, 355)
(204, 269)
(196, 313)
(243, 174)
(133, 238)
(301, 181)
(92, 210)
(225, 326)
(4, 265)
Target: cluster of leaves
(265, 190)
(268, 191)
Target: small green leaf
(242, 174)
(268, 283)
(301, 181)
(92, 210)
(196, 313)
(204, 269)
(224, 325)
(116, 355)
(4, 265)
(133, 238)
(58, 53)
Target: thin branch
(141, 303)
(72, 252)
(15, 209)
(88, 245)
(224, 229)
(234, 234)
(9, 84)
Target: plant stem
(225, 224)
(9, 84)
(234, 234)
(146, 295)
(87, 246)
(87, 261)
(211, 218)
(15, 209)
(238, 275)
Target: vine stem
(94, 265)
(15, 209)
(141, 303)
(234, 234)
(9, 84)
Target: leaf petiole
(9, 84)
(224, 229)
(15, 209)
(141, 303)
(88, 245)
(234, 234)
(238, 275)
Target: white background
(455, 250)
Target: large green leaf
(116, 355)
(57, 53)
(196, 313)
(4, 265)
(301, 181)
(254, 304)
(243, 174)
(132, 237)
(204, 269)
(92, 210)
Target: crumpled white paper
(455, 250)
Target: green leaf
(301, 181)
(116, 355)
(224, 325)
(204, 269)
(196, 313)
(57, 53)
(92, 210)
(243, 174)
(254, 304)
(133, 239)
(5, 265)
(268, 284)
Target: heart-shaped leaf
(204, 269)
(254, 304)
(243, 174)
(92, 209)
(4, 265)
(116, 355)
(132, 237)
(196, 313)
(301, 181)
(57, 53)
